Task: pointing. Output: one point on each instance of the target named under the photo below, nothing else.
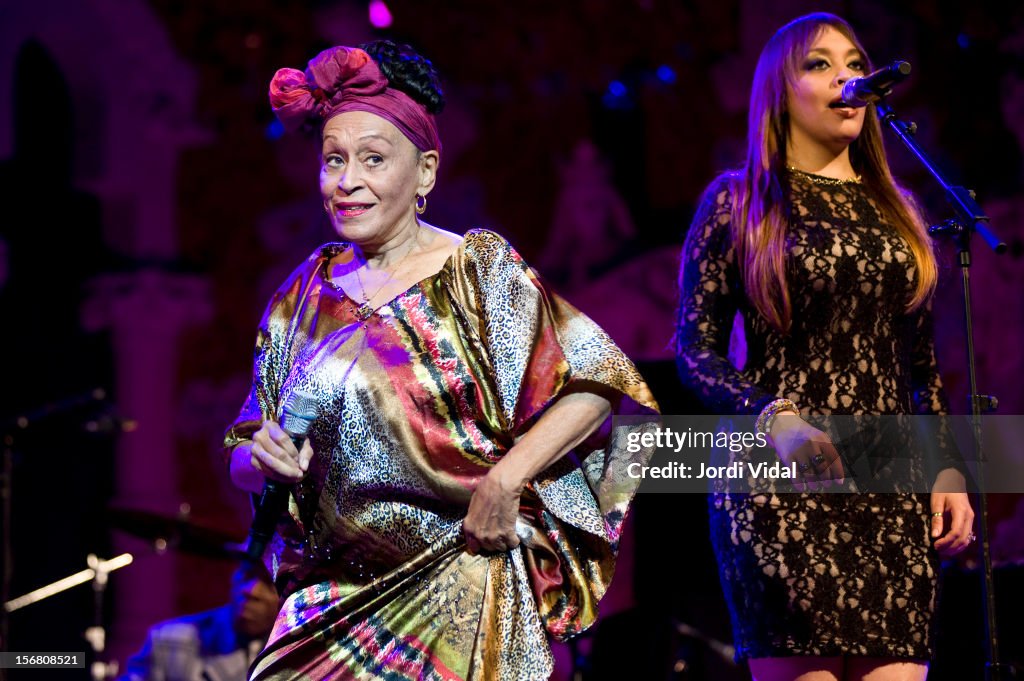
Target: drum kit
(166, 532)
(176, 531)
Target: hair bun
(408, 71)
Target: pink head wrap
(343, 79)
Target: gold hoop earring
(421, 204)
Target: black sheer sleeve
(710, 293)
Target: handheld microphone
(297, 414)
(858, 92)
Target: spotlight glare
(380, 15)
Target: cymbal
(177, 532)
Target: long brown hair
(760, 207)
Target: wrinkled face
(370, 175)
(811, 98)
(254, 605)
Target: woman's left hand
(955, 505)
(490, 524)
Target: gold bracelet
(771, 410)
(770, 422)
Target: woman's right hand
(270, 455)
(817, 461)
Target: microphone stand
(968, 219)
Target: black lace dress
(817, 574)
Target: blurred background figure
(215, 645)
(591, 225)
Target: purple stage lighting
(380, 15)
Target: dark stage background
(152, 205)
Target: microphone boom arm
(968, 213)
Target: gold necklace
(364, 311)
(824, 181)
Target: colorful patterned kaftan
(415, 405)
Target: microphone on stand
(858, 92)
(297, 414)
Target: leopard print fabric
(416, 403)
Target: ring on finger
(803, 466)
(818, 459)
(971, 537)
